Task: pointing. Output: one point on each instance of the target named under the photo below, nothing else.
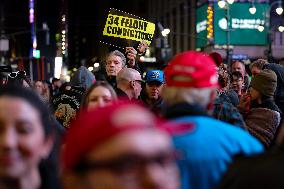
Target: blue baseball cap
(155, 75)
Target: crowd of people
(196, 124)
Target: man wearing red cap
(119, 146)
(207, 150)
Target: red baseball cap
(93, 128)
(217, 58)
(191, 69)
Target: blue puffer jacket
(206, 150)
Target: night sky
(85, 20)
(86, 23)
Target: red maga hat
(191, 69)
(91, 129)
(217, 58)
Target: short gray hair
(175, 95)
(126, 74)
(119, 54)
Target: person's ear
(132, 84)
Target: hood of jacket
(83, 78)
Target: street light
(165, 32)
(230, 1)
(279, 11)
(281, 28)
(221, 4)
(226, 5)
(252, 9)
(260, 28)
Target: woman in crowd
(42, 89)
(26, 141)
(261, 114)
(98, 95)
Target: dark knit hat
(265, 82)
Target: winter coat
(279, 71)
(226, 111)
(205, 151)
(157, 107)
(260, 172)
(262, 123)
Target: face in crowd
(57, 84)
(237, 81)
(255, 70)
(99, 95)
(39, 87)
(136, 84)
(238, 66)
(254, 94)
(23, 139)
(132, 159)
(154, 89)
(113, 65)
(141, 160)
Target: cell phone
(5, 69)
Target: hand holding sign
(142, 48)
(131, 55)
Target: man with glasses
(120, 147)
(151, 96)
(129, 83)
(237, 83)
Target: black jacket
(157, 107)
(262, 171)
(279, 71)
(184, 109)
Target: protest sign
(122, 29)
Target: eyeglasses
(16, 74)
(138, 81)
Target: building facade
(179, 17)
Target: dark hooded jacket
(83, 78)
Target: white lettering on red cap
(188, 69)
(213, 79)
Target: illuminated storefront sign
(243, 25)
